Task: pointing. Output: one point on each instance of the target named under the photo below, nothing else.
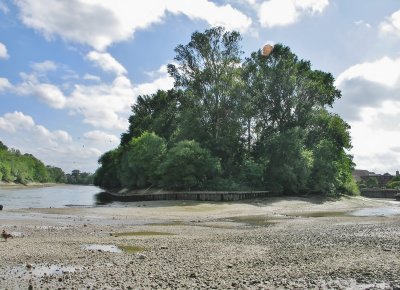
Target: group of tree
(373, 182)
(232, 123)
(77, 177)
(26, 168)
(21, 168)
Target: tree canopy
(26, 168)
(260, 122)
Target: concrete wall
(199, 196)
(379, 193)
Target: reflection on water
(51, 196)
(379, 211)
(102, 198)
(40, 270)
(102, 248)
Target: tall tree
(285, 90)
(208, 70)
(265, 120)
(155, 113)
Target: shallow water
(40, 270)
(379, 211)
(51, 196)
(102, 248)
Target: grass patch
(131, 249)
(142, 233)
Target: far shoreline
(7, 185)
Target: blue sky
(71, 69)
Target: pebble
(295, 253)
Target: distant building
(359, 173)
(363, 175)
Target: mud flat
(270, 243)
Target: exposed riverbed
(271, 243)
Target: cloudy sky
(71, 69)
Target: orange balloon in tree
(267, 49)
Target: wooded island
(258, 123)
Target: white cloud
(385, 71)
(368, 85)
(375, 138)
(47, 93)
(100, 136)
(311, 6)
(102, 105)
(392, 25)
(108, 105)
(371, 104)
(44, 66)
(4, 84)
(362, 23)
(57, 147)
(106, 62)
(11, 122)
(4, 8)
(90, 77)
(99, 23)
(285, 12)
(3, 51)
(227, 16)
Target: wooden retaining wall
(199, 196)
(379, 193)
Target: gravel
(208, 249)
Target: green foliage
(396, 178)
(3, 147)
(77, 177)
(252, 174)
(289, 164)
(371, 182)
(139, 161)
(156, 113)
(26, 168)
(393, 184)
(265, 120)
(187, 166)
(351, 187)
(56, 174)
(21, 168)
(5, 172)
(207, 70)
(106, 176)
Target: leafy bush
(289, 164)
(252, 174)
(187, 166)
(5, 172)
(393, 184)
(106, 175)
(139, 161)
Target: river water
(50, 196)
(59, 196)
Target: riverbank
(270, 243)
(6, 185)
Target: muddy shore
(271, 243)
